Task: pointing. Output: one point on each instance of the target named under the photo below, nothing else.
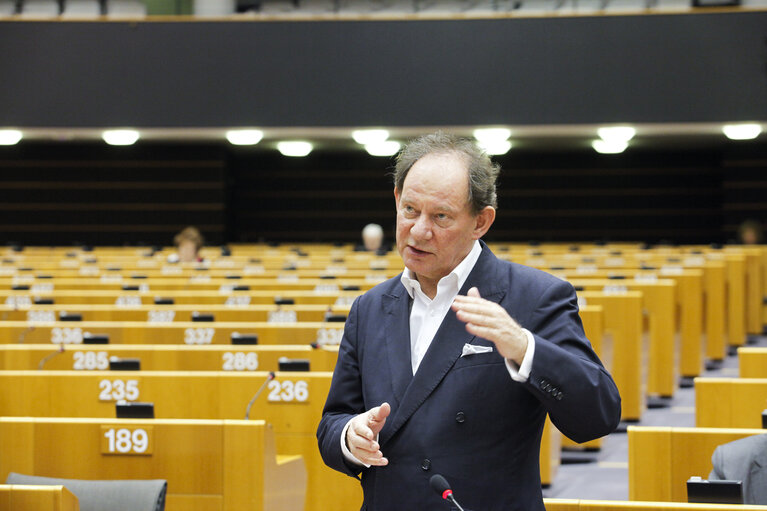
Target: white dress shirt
(427, 315)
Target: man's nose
(421, 229)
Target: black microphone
(440, 485)
(269, 377)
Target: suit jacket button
(558, 396)
(426, 464)
(460, 417)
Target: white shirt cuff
(522, 372)
(345, 450)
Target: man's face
(435, 225)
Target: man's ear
(483, 221)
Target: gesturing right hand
(362, 432)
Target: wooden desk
(24, 299)
(209, 465)
(689, 298)
(730, 402)
(280, 281)
(292, 403)
(17, 497)
(192, 333)
(622, 315)
(620, 505)
(661, 460)
(551, 452)
(752, 362)
(152, 313)
(659, 301)
(755, 288)
(92, 357)
(592, 317)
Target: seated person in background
(750, 232)
(744, 460)
(373, 240)
(188, 244)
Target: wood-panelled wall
(650, 197)
(65, 193)
(744, 189)
(60, 194)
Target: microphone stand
(269, 378)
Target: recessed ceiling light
(490, 135)
(10, 137)
(365, 137)
(495, 147)
(383, 148)
(616, 133)
(120, 137)
(244, 137)
(605, 147)
(294, 148)
(741, 131)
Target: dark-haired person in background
(751, 232)
(451, 367)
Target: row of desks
(621, 311)
(58, 389)
(726, 409)
(291, 403)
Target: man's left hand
(489, 320)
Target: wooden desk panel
(92, 357)
(170, 313)
(224, 465)
(661, 460)
(24, 299)
(178, 333)
(605, 505)
(593, 325)
(730, 402)
(192, 395)
(752, 362)
(623, 323)
(659, 301)
(208, 395)
(17, 497)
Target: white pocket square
(473, 349)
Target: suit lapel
(397, 334)
(445, 348)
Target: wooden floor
(604, 474)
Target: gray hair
(482, 172)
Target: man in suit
(744, 460)
(451, 367)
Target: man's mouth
(417, 251)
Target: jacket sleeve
(344, 401)
(717, 460)
(567, 377)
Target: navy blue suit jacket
(465, 417)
